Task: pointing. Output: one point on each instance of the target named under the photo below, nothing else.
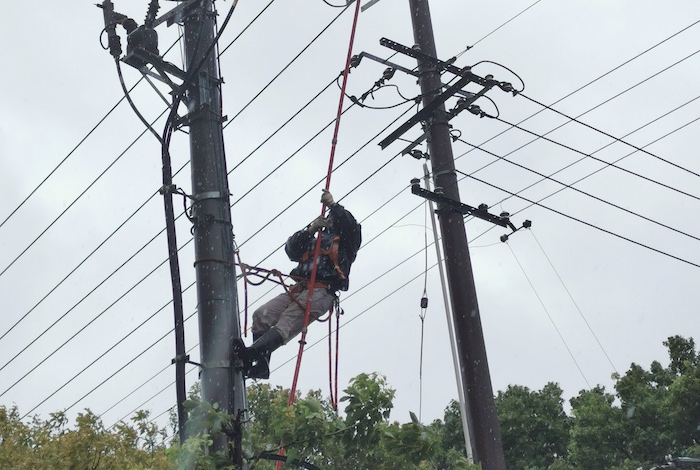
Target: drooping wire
(573, 301)
(546, 311)
(131, 102)
(423, 312)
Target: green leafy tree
(52, 444)
(534, 426)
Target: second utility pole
(476, 381)
(213, 231)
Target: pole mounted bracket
(428, 111)
(480, 212)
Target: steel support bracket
(481, 212)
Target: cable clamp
(443, 172)
(181, 358)
(207, 195)
(167, 189)
(224, 364)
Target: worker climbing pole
(334, 143)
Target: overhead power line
(571, 187)
(152, 196)
(613, 165)
(585, 320)
(149, 274)
(617, 139)
(536, 203)
(80, 142)
(600, 77)
(114, 162)
(546, 311)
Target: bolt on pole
(476, 381)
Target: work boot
(260, 352)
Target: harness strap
(332, 253)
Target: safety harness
(333, 254)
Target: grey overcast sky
(607, 273)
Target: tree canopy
(651, 414)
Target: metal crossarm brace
(418, 55)
(460, 207)
(386, 62)
(424, 113)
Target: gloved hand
(320, 222)
(327, 198)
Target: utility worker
(282, 318)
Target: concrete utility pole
(213, 232)
(485, 432)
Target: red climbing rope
(317, 250)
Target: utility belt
(304, 284)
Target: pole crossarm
(480, 212)
(421, 56)
(466, 77)
(428, 110)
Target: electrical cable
(286, 67)
(501, 26)
(517, 92)
(45, 358)
(335, 6)
(582, 221)
(585, 320)
(41, 183)
(570, 186)
(133, 143)
(592, 82)
(76, 199)
(250, 23)
(297, 113)
(613, 165)
(617, 139)
(131, 102)
(544, 307)
(163, 262)
(107, 352)
(596, 151)
(105, 380)
(164, 369)
(114, 232)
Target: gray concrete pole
(213, 232)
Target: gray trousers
(283, 314)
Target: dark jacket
(300, 248)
